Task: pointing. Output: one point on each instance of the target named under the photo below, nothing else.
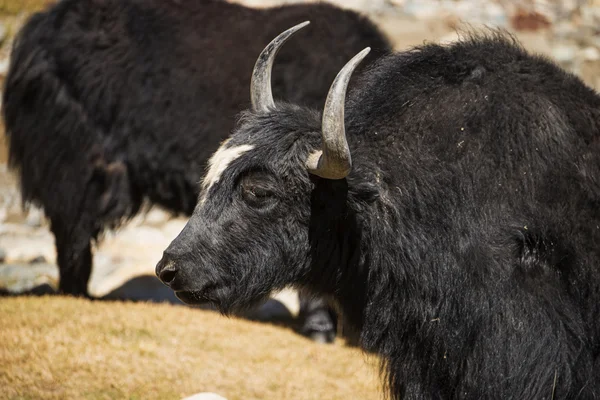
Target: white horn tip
(364, 52)
(295, 28)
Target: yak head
(260, 223)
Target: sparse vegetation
(64, 348)
(14, 7)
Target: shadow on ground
(147, 288)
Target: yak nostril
(167, 275)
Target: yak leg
(74, 257)
(319, 320)
(106, 198)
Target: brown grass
(63, 348)
(13, 7)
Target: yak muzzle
(177, 274)
(167, 271)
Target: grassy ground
(63, 348)
(13, 7)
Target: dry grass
(62, 348)
(13, 7)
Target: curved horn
(334, 161)
(260, 86)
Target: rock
(590, 54)
(23, 243)
(495, 14)
(563, 30)
(146, 235)
(42, 289)
(564, 53)
(35, 217)
(20, 278)
(157, 216)
(38, 260)
(421, 9)
(172, 228)
(590, 14)
(109, 273)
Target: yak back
(512, 127)
(486, 161)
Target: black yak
(451, 206)
(111, 103)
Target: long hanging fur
(464, 246)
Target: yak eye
(257, 191)
(252, 191)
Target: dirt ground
(62, 348)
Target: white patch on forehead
(219, 163)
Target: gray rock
(157, 216)
(590, 54)
(23, 243)
(564, 53)
(20, 278)
(142, 234)
(38, 260)
(35, 217)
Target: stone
(35, 217)
(590, 54)
(564, 53)
(38, 260)
(21, 278)
(157, 216)
(23, 243)
(172, 228)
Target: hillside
(61, 348)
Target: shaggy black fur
(465, 243)
(109, 103)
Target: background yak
(453, 211)
(111, 103)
